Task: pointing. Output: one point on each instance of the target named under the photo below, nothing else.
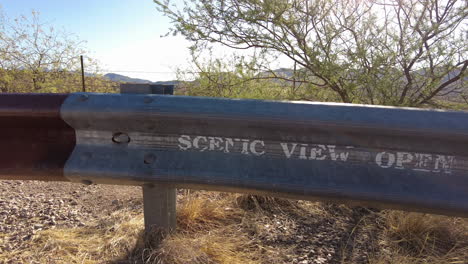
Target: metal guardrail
(402, 158)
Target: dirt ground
(27, 207)
(274, 230)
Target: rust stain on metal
(35, 142)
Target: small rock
(320, 260)
(38, 226)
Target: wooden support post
(159, 205)
(159, 201)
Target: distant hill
(122, 78)
(167, 82)
(288, 74)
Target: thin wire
(111, 71)
(156, 72)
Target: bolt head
(120, 138)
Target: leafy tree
(238, 76)
(403, 52)
(231, 77)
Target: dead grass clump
(425, 238)
(114, 237)
(205, 210)
(221, 246)
(210, 230)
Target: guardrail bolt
(149, 158)
(120, 138)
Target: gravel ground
(27, 207)
(333, 234)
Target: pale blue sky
(124, 35)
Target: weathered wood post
(159, 201)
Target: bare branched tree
(403, 52)
(34, 56)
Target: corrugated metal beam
(412, 159)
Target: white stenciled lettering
(216, 143)
(196, 143)
(443, 163)
(387, 162)
(303, 151)
(420, 162)
(317, 153)
(403, 158)
(286, 150)
(253, 147)
(343, 156)
(423, 162)
(185, 142)
(245, 145)
(228, 142)
(314, 152)
(202, 143)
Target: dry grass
(208, 232)
(223, 228)
(219, 246)
(423, 238)
(206, 210)
(113, 237)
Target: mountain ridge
(122, 78)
